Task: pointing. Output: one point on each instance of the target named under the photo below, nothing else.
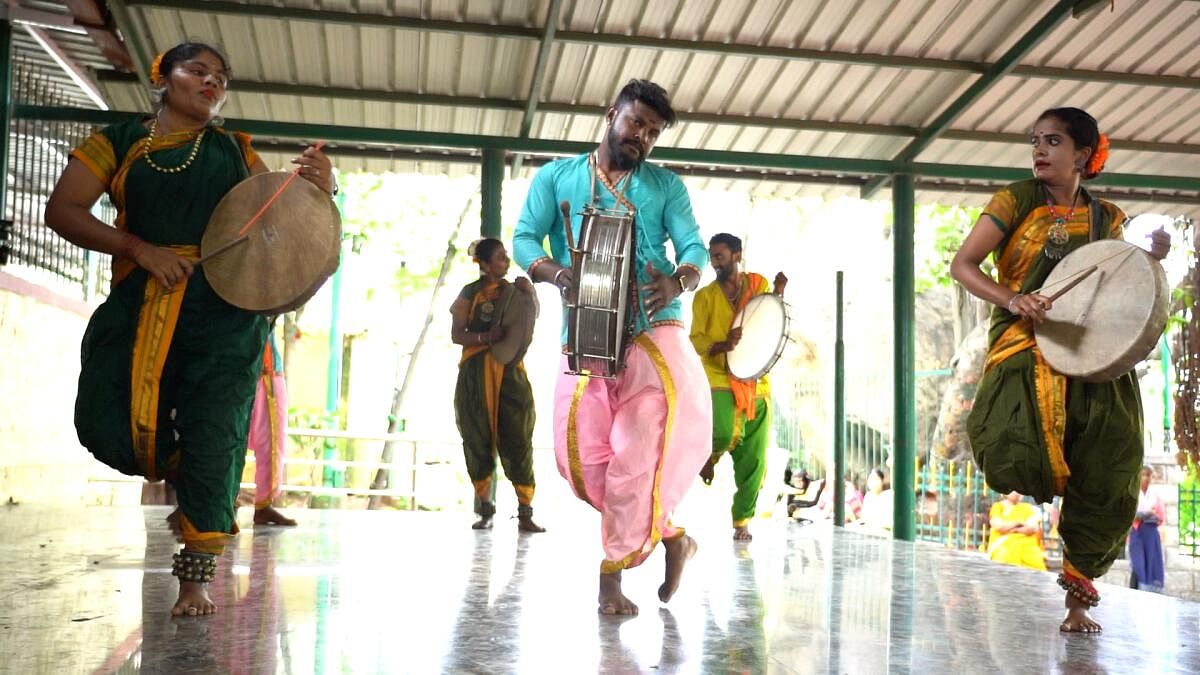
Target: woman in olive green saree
(1033, 430)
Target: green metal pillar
(1164, 356)
(331, 477)
(6, 108)
(839, 417)
(493, 184)
(904, 428)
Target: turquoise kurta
(664, 212)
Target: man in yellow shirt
(741, 409)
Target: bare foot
(484, 523)
(742, 533)
(706, 472)
(612, 601)
(679, 551)
(175, 525)
(269, 516)
(526, 524)
(1077, 619)
(193, 600)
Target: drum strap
(1098, 217)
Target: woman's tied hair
(1084, 131)
(482, 250)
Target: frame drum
(289, 252)
(764, 322)
(518, 311)
(1101, 328)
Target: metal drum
(597, 305)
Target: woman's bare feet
(612, 601)
(269, 516)
(679, 551)
(484, 523)
(193, 600)
(1077, 619)
(742, 533)
(526, 524)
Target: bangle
(129, 245)
(682, 288)
(1009, 305)
(557, 275)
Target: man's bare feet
(269, 516)
(679, 551)
(612, 601)
(193, 600)
(526, 524)
(1077, 619)
(707, 472)
(484, 523)
(176, 526)
(742, 533)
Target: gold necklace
(175, 169)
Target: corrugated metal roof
(861, 63)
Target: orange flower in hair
(155, 67)
(1099, 156)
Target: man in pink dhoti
(629, 446)
(268, 437)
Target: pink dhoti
(632, 446)
(268, 437)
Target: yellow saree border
(524, 494)
(1051, 390)
(204, 542)
(157, 320)
(664, 373)
(573, 459)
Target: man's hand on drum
(1160, 243)
(1030, 306)
(168, 268)
(662, 290)
(780, 283)
(316, 168)
(732, 338)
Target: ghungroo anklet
(1082, 589)
(194, 566)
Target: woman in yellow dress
(1016, 533)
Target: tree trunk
(383, 474)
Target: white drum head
(764, 324)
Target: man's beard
(724, 273)
(615, 151)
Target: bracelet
(129, 245)
(682, 288)
(557, 275)
(1009, 305)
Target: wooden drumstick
(565, 206)
(1074, 282)
(222, 248)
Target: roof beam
(1057, 14)
(141, 54)
(654, 43)
(78, 75)
(689, 157)
(509, 104)
(539, 74)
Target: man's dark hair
(650, 94)
(733, 243)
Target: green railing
(1189, 514)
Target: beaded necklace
(1057, 236)
(175, 169)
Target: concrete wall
(40, 458)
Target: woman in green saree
(169, 369)
(493, 402)
(1034, 430)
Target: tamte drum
(764, 322)
(289, 252)
(1112, 319)
(518, 312)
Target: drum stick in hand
(1074, 282)
(222, 248)
(565, 206)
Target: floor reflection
(89, 590)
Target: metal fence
(38, 151)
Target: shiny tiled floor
(87, 590)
